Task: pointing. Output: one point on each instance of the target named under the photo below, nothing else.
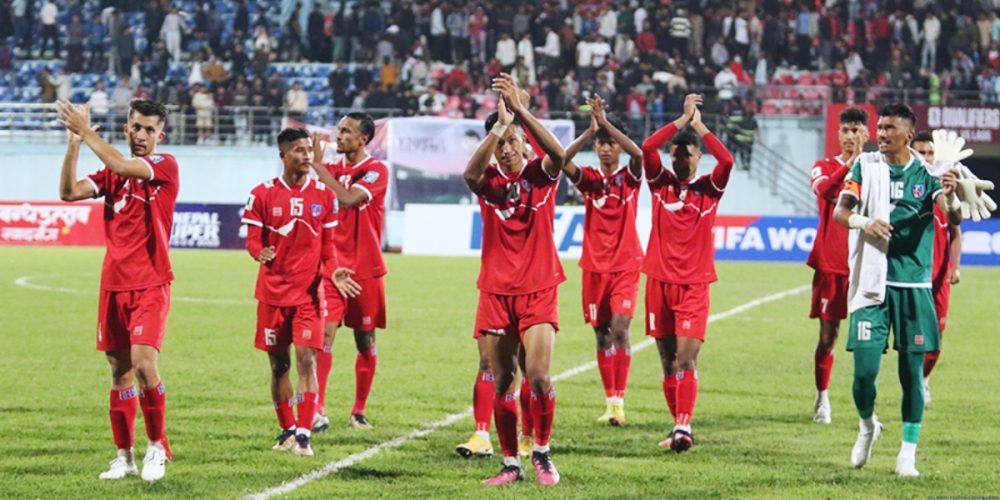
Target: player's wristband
(498, 129)
(857, 221)
(952, 203)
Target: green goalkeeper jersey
(912, 189)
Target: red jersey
(359, 235)
(519, 249)
(138, 215)
(829, 252)
(297, 221)
(942, 247)
(610, 240)
(681, 245)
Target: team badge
(918, 190)
(370, 177)
(525, 185)
(155, 159)
(317, 209)
(618, 180)
(276, 211)
(918, 339)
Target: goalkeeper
(887, 200)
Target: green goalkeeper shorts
(908, 311)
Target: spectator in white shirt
(170, 32)
(549, 53)
(296, 102)
(506, 52)
(50, 31)
(726, 83)
(61, 82)
(608, 27)
(932, 31)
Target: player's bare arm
(475, 169)
(554, 153)
(948, 200)
(651, 146)
(71, 188)
(955, 234)
(845, 216)
(76, 119)
(347, 198)
(570, 168)
(599, 111)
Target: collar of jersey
(343, 161)
(304, 186)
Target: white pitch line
(25, 281)
(351, 460)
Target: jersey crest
(317, 209)
(919, 190)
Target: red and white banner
(51, 223)
(972, 123)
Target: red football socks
(286, 419)
(505, 412)
(670, 393)
(482, 400)
(824, 365)
(364, 372)
(324, 361)
(527, 423)
(623, 361)
(124, 405)
(154, 408)
(307, 410)
(930, 359)
(606, 360)
(543, 409)
(687, 394)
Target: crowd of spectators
(437, 57)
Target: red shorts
(334, 305)
(127, 318)
(829, 297)
(366, 312)
(514, 314)
(942, 296)
(280, 326)
(676, 310)
(609, 294)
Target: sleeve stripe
(717, 188)
(330, 224)
(367, 192)
(818, 180)
(939, 191)
(252, 222)
(651, 179)
(152, 173)
(97, 190)
(638, 178)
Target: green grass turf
(753, 419)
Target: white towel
(867, 255)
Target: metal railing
(780, 177)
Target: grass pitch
(753, 417)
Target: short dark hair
(687, 138)
(365, 123)
(146, 107)
(854, 115)
(900, 111)
(602, 134)
(290, 135)
(494, 117)
(923, 136)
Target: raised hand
(598, 110)
(319, 147)
(506, 87)
(76, 119)
(691, 103)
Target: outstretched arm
(720, 174)
(348, 198)
(651, 146)
(570, 168)
(948, 200)
(475, 169)
(629, 146)
(554, 153)
(76, 119)
(71, 188)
